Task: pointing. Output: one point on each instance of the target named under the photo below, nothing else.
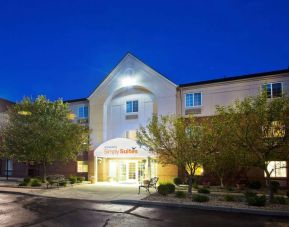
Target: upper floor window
(193, 100)
(273, 90)
(132, 106)
(83, 112)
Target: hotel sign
(114, 150)
(121, 148)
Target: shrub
(80, 179)
(180, 194)
(195, 185)
(23, 184)
(279, 200)
(204, 190)
(250, 194)
(63, 183)
(35, 182)
(275, 186)
(229, 198)
(177, 181)
(256, 200)
(255, 184)
(200, 198)
(163, 189)
(288, 194)
(73, 179)
(27, 180)
(171, 187)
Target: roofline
(75, 100)
(8, 101)
(225, 79)
(118, 63)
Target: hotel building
(126, 100)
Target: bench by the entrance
(152, 183)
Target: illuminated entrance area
(123, 160)
(130, 171)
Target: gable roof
(5, 104)
(225, 79)
(129, 55)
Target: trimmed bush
(163, 189)
(250, 194)
(80, 179)
(204, 190)
(280, 200)
(23, 184)
(27, 180)
(177, 181)
(256, 200)
(275, 186)
(255, 184)
(73, 179)
(63, 183)
(200, 198)
(171, 187)
(35, 182)
(180, 194)
(229, 198)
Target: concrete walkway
(96, 192)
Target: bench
(152, 183)
(55, 180)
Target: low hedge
(280, 200)
(180, 194)
(204, 190)
(200, 198)
(178, 181)
(163, 189)
(229, 198)
(35, 183)
(254, 200)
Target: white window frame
(78, 109)
(271, 85)
(273, 174)
(81, 170)
(193, 106)
(133, 112)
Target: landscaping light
(24, 113)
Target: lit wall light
(128, 81)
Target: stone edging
(206, 207)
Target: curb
(204, 207)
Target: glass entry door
(131, 171)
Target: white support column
(95, 170)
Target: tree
(175, 140)
(222, 159)
(260, 130)
(40, 131)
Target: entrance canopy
(121, 148)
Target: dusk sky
(65, 48)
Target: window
(193, 100)
(83, 112)
(131, 134)
(9, 168)
(276, 129)
(82, 166)
(273, 90)
(132, 106)
(278, 168)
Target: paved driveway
(98, 192)
(19, 210)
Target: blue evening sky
(64, 48)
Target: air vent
(193, 111)
(131, 117)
